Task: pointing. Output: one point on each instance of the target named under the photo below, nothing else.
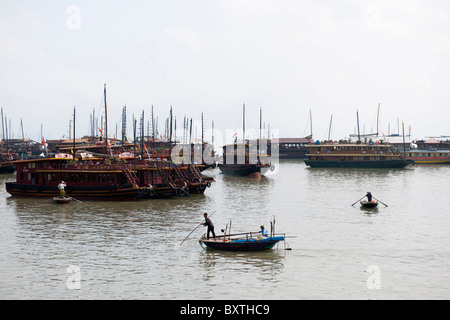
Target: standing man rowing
(208, 223)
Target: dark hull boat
(105, 179)
(367, 204)
(244, 160)
(242, 242)
(244, 169)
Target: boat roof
(53, 158)
(350, 145)
(294, 140)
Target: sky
(289, 58)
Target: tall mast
(23, 139)
(243, 122)
(260, 131)
(378, 116)
(3, 128)
(153, 129)
(73, 132)
(404, 145)
(329, 129)
(106, 121)
(203, 133)
(357, 120)
(170, 133)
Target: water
(132, 250)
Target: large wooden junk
(105, 178)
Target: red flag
(43, 141)
(100, 131)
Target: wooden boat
(242, 242)
(6, 158)
(96, 178)
(424, 156)
(244, 160)
(345, 154)
(60, 200)
(355, 155)
(367, 204)
(289, 148)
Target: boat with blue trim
(242, 241)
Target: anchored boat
(100, 178)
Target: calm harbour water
(131, 250)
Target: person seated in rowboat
(62, 192)
(369, 196)
(263, 232)
(210, 226)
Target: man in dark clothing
(210, 226)
(369, 196)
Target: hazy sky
(211, 56)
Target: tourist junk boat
(429, 156)
(245, 159)
(105, 178)
(238, 161)
(6, 158)
(355, 155)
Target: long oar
(357, 201)
(195, 229)
(76, 200)
(380, 201)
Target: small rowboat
(369, 204)
(60, 200)
(242, 242)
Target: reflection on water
(265, 265)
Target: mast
(203, 133)
(124, 124)
(243, 122)
(153, 130)
(329, 129)
(106, 121)
(141, 132)
(3, 126)
(310, 122)
(73, 132)
(404, 145)
(23, 139)
(378, 116)
(260, 133)
(357, 120)
(170, 133)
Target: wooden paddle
(380, 201)
(358, 201)
(77, 200)
(195, 229)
